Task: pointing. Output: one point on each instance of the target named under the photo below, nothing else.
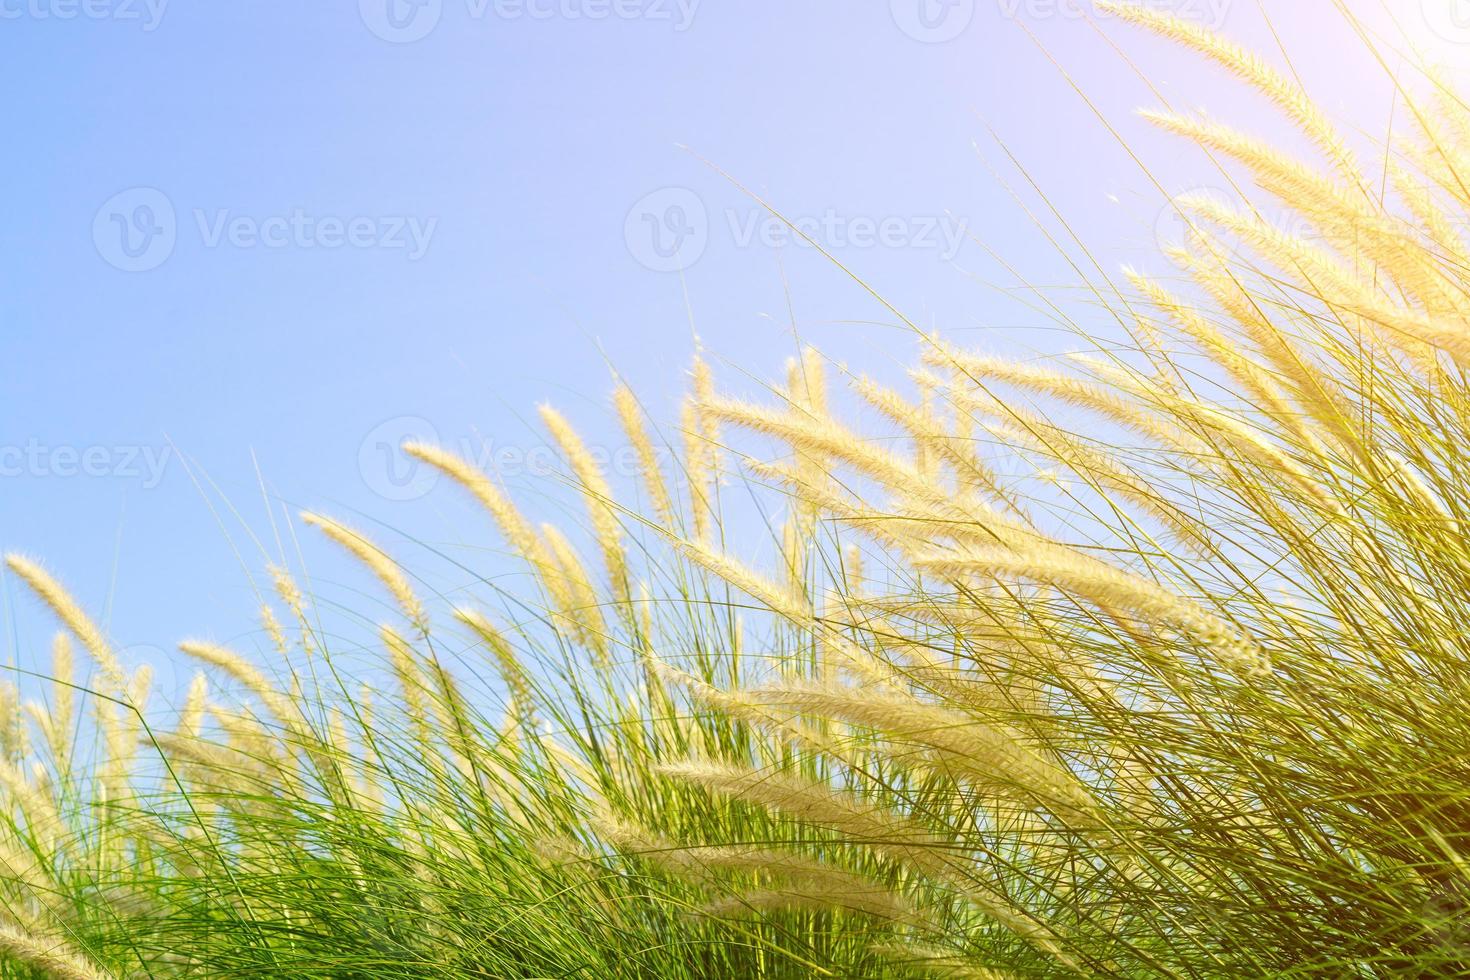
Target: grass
(1187, 700)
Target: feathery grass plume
(926, 429)
(39, 811)
(432, 704)
(290, 594)
(263, 757)
(595, 490)
(272, 627)
(1348, 222)
(1257, 381)
(1220, 427)
(1447, 242)
(806, 388)
(277, 702)
(55, 736)
(452, 717)
(630, 414)
(377, 561)
(841, 895)
(802, 883)
(1336, 286)
(852, 568)
(196, 702)
(1126, 398)
(906, 527)
(818, 804)
(226, 772)
(513, 525)
(61, 713)
(701, 450)
(369, 782)
(584, 605)
(879, 829)
(925, 669)
(737, 705)
(1286, 94)
(1318, 409)
(14, 735)
(70, 613)
(938, 962)
(1110, 586)
(1102, 471)
(959, 742)
(794, 607)
(818, 435)
(48, 955)
(699, 861)
(512, 671)
(1065, 387)
(1443, 165)
(32, 896)
(412, 684)
(926, 459)
(928, 500)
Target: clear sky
(262, 241)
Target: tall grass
(1146, 663)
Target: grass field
(1149, 661)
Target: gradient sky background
(530, 145)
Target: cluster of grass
(1192, 704)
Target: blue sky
(250, 243)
